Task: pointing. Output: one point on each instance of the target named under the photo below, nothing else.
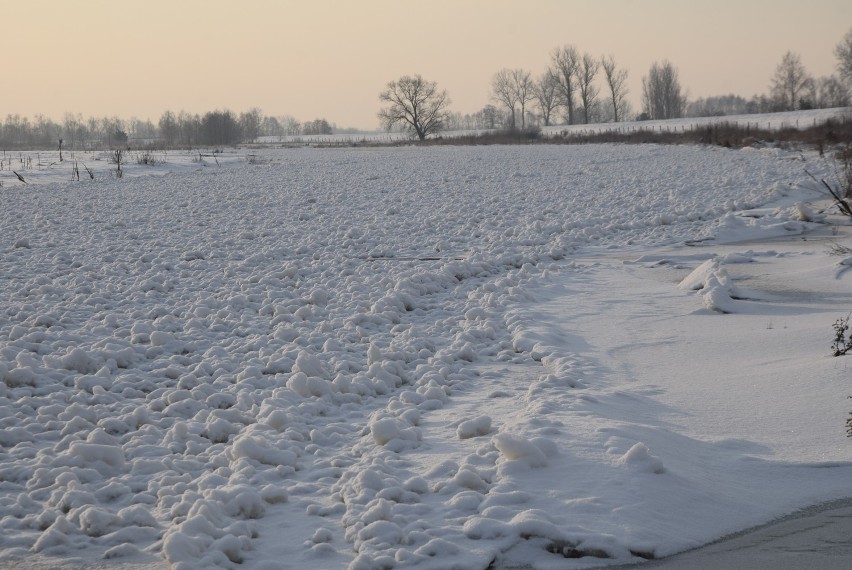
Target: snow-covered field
(765, 121)
(470, 357)
(23, 168)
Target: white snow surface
(454, 357)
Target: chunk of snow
(697, 279)
(91, 452)
(805, 214)
(639, 458)
(310, 365)
(717, 297)
(516, 448)
(473, 428)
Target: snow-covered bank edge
(609, 316)
(813, 536)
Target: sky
(331, 58)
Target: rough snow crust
(287, 364)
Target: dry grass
(831, 134)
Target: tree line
(580, 88)
(172, 130)
(575, 88)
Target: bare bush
(839, 250)
(147, 158)
(844, 172)
(115, 157)
(842, 342)
(507, 136)
(841, 192)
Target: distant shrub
(849, 425)
(842, 343)
(147, 157)
(532, 133)
(504, 136)
(116, 156)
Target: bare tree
(832, 92)
(546, 95)
(810, 98)
(73, 128)
(250, 122)
(487, 118)
(587, 69)
(105, 128)
(270, 127)
(843, 51)
(93, 126)
(169, 130)
(616, 80)
(662, 97)
(138, 129)
(415, 103)
(789, 82)
(220, 128)
(564, 62)
(190, 128)
(453, 121)
(317, 127)
(717, 106)
(523, 91)
(44, 130)
(503, 91)
(290, 125)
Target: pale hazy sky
(331, 58)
